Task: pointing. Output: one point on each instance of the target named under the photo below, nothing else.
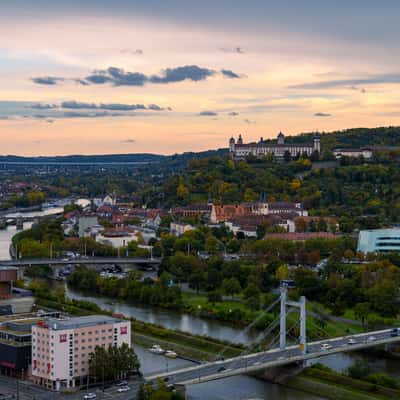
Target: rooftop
(81, 322)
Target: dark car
(220, 369)
(394, 332)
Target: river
(7, 234)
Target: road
(257, 362)
(28, 391)
(89, 260)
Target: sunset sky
(128, 76)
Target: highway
(88, 260)
(258, 362)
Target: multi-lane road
(88, 260)
(260, 361)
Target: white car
(123, 389)
(371, 339)
(326, 346)
(351, 341)
(90, 396)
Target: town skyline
(126, 77)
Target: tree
(113, 362)
(231, 286)
(214, 297)
(361, 311)
(301, 224)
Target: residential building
(178, 229)
(379, 241)
(194, 210)
(86, 222)
(365, 152)
(240, 150)
(61, 348)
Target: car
(281, 358)
(326, 346)
(221, 369)
(371, 339)
(257, 363)
(351, 341)
(90, 396)
(122, 383)
(394, 332)
(123, 389)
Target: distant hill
(111, 158)
(356, 137)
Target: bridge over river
(25, 262)
(258, 363)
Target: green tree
(231, 286)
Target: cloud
(77, 105)
(120, 77)
(207, 114)
(136, 52)
(321, 114)
(47, 80)
(128, 141)
(179, 74)
(237, 50)
(369, 80)
(76, 114)
(43, 106)
(229, 74)
(248, 121)
(233, 113)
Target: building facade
(379, 241)
(240, 150)
(61, 348)
(364, 152)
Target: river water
(235, 388)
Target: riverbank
(189, 346)
(335, 386)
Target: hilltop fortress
(240, 150)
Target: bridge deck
(258, 362)
(89, 260)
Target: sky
(129, 76)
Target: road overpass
(25, 262)
(259, 362)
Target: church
(240, 150)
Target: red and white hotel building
(61, 348)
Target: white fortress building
(240, 150)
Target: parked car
(326, 346)
(351, 341)
(122, 383)
(90, 396)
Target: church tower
(281, 138)
(317, 143)
(231, 145)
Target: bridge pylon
(301, 304)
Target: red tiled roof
(301, 236)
